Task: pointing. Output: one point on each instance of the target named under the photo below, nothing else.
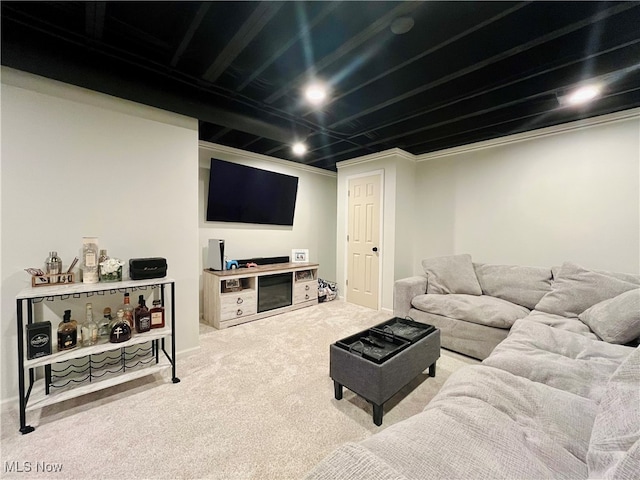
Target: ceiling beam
(94, 19)
(191, 30)
(483, 91)
(491, 60)
(376, 27)
(423, 54)
(330, 7)
(245, 34)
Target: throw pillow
(520, 285)
(575, 289)
(451, 274)
(616, 320)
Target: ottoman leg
(432, 369)
(337, 389)
(377, 414)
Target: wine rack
(82, 370)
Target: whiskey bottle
(67, 332)
(157, 314)
(120, 329)
(127, 309)
(89, 329)
(142, 316)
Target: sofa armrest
(403, 292)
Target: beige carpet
(255, 402)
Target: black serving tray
(405, 329)
(387, 345)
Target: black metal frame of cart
(378, 382)
(24, 393)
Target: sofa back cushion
(520, 285)
(614, 448)
(451, 274)
(575, 289)
(616, 320)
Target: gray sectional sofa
(558, 397)
(474, 305)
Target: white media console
(242, 295)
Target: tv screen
(238, 193)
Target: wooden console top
(260, 269)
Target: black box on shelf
(38, 340)
(145, 268)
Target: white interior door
(363, 241)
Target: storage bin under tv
(232, 297)
(144, 354)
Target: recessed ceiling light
(402, 25)
(583, 94)
(299, 148)
(315, 93)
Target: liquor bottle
(89, 329)
(142, 316)
(120, 329)
(103, 256)
(127, 308)
(103, 325)
(157, 314)
(90, 260)
(67, 332)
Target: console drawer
(238, 304)
(305, 291)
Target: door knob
(375, 249)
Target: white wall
(78, 163)
(573, 196)
(314, 225)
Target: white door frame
(371, 173)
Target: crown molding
(217, 148)
(392, 153)
(624, 115)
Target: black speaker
(263, 261)
(216, 254)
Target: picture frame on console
(231, 285)
(300, 255)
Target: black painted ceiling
(465, 72)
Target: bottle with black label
(67, 332)
(142, 316)
(120, 329)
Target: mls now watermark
(28, 467)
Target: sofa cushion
(575, 289)
(571, 324)
(487, 423)
(614, 448)
(558, 358)
(616, 320)
(451, 274)
(482, 309)
(522, 285)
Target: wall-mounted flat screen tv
(238, 193)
